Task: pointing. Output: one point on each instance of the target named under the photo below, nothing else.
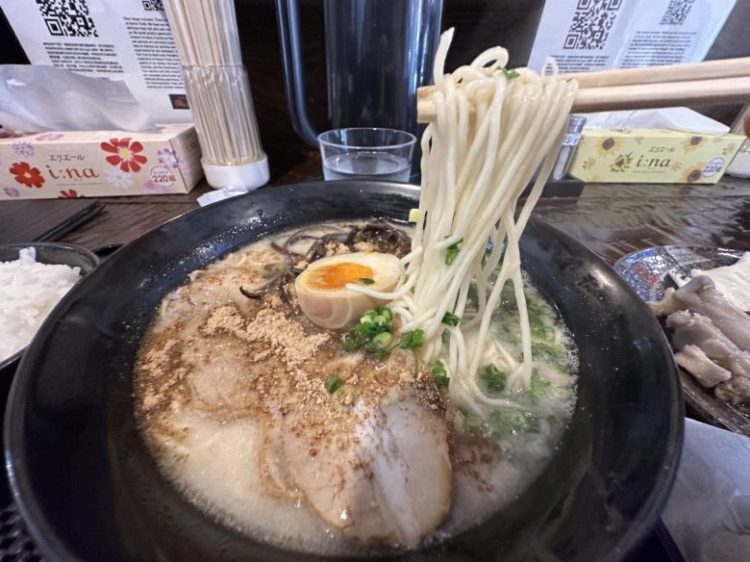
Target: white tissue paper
(35, 98)
(673, 118)
(708, 513)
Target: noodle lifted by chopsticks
(494, 129)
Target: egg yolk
(337, 275)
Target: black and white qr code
(677, 12)
(153, 5)
(592, 22)
(67, 18)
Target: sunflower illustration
(692, 143)
(621, 163)
(608, 146)
(693, 173)
(588, 163)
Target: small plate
(648, 273)
(52, 253)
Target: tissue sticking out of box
(36, 98)
(671, 118)
(671, 145)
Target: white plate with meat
(706, 321)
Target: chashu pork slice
(387, 479)
(273, 468)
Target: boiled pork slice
(696, 330)
(700, 295)
(693, 360)
(388, 479)
(736, 391)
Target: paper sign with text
(585, 35)
(126, 40)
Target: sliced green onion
(373, 334)
(385, 312)
(414, 215)
(510, 74)
(451, 319)
(332, 383)
(492, 378)
(439, 374)
(383, 338)
(512, 422)
(366, 281)
(412, 339)
(451, 252)
(539, 386)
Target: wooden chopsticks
(664, 94)
(711, 82)
(706, 70)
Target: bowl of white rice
(33, 279)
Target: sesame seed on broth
(232, 397)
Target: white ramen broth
(267, 423)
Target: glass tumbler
(366, 153)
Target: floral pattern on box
(26, 174)
(23, 149)
(125, 154)
(117, 178)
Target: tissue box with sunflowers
(653, 156)
(103, 163)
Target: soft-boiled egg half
(324, 297)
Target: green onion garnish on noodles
(510, 74)
(412, 339)
(493, 379)
(366, 280)
(539, 386)
(451, 252)
(439, 374)
(450, 319)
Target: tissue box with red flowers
(102, 163)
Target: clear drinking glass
(366, 153)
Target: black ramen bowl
(52, 253)
(89, 489)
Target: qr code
(153, 5)
(67, 18)
(592, 22)
(677, 12)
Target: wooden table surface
(610, 219)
